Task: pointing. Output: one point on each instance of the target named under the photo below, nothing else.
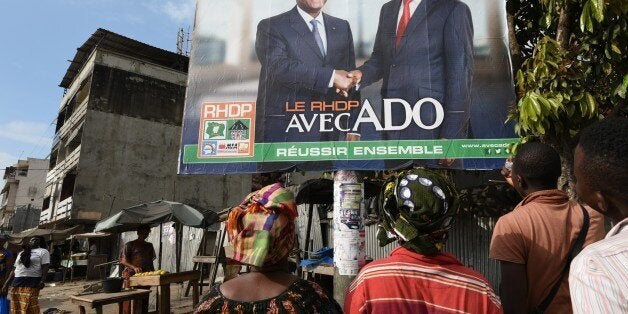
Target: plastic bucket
(112, 284)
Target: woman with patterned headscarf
(261, 234)
(418, 207)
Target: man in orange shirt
(533, 241)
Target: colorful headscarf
(261, 230)
(418, 208)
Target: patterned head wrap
(261, 230)
(418, 207)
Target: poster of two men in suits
(346, 84)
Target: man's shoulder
(458, 3)
(391, 5)
(335, 20)
(379, 264)
(529, 208)
(135, 243)
(453, 4)
(516, 223)
(605, 248)
(40, 251)
(279, 18)
(520, 212)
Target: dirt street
(57, 295)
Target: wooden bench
(97, 300)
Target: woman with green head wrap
(418, 207)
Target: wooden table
(97, 300)
(163, 282)
(322, 269)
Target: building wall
(25, 217)
(25, 190)
(8, 198)
(131, 125)
(31, 187)
(135, 161)
(130, 94)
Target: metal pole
(349, 251)
(161, 228)
(308, 230)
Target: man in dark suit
(304, 55)
(424, 49)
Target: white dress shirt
(321, 25)
(413, 5)
(598, 276)
(321, 31)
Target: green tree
(570, 61)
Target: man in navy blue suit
(424, 49)
(305, 55)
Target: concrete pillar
(349, 244)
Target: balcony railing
(64, 166)
(45, 216)
(62, 210)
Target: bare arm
(127, 264)
(44, 272)
(513, 287)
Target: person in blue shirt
(6, 258)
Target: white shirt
(598, 276)
(321, 31)
(39, 257)
(321, 25)
(413, 5)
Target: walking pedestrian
(28, 277)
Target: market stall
(158, 214)
(91, 261)
(163, 281)
(50, 235)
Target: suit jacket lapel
(298, 24)
(421, 12)
(389, 30)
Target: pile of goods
(151, 273)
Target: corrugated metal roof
(107, 40)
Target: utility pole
(349, 253)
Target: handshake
(345, 81)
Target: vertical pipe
(348, 230)
(161, 228)
(308, 231)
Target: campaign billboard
(316, 85)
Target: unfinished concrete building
(23, 190)
(118, 133)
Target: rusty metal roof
(104, 39)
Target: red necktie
(403, 22)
